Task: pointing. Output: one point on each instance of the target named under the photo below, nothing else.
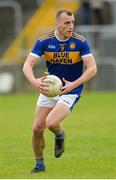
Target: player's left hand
(67, 87)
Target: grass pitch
(90, 139)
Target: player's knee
(37, 129)
(50, 124)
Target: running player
(65, 53)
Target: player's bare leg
(38, 141)
(53, 122)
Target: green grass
(90, 139)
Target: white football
(54, 85)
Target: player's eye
(68, 22)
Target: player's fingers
(65, 80)
(43, 91)
(62, 93)
(41, 88)
(44, 85)
(64, 87)
(44, 77)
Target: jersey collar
(61, 39)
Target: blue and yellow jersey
(63, 57)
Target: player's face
(65, 25)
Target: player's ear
(57, 23)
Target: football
(54, 85)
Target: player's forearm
(28, 72)
(87, 75)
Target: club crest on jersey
(51, 46)
(72, 46)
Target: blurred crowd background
(24, 21)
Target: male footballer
(65, 52)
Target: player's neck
(61, 37)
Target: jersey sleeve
(37, 50)
(85, 49)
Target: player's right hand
(39, 85)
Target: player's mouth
(69, 33)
